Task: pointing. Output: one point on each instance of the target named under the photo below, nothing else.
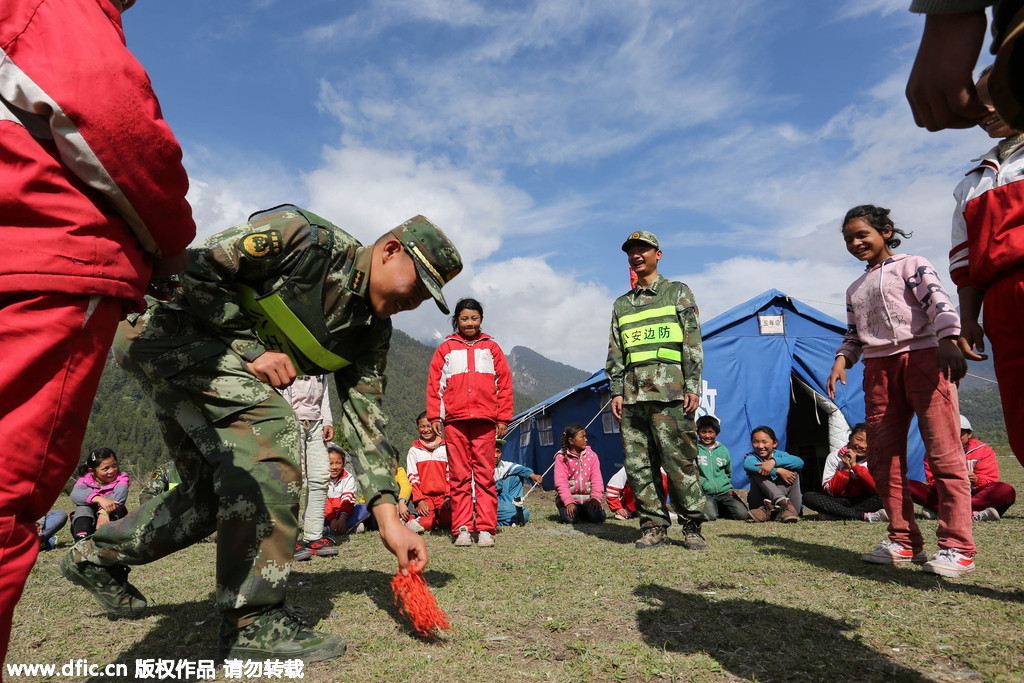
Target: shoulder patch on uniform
(262, 244)
(357, 280)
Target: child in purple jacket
(578, 479)
(99, 494)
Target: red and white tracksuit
(427, 467)
(988, 254)
(470, 389)
(91, 188)
(341, 496)
(986, 492)
(620, 496)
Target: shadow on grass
(761, 641)
(190, 630)
(617, 533)
(848, 562)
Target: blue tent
(766, 361)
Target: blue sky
(540, 134)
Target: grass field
(764, 602)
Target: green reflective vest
(651, 335)
(290, 318)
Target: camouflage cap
(641, 236)
(436, 258)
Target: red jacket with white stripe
(988, 223)
(91, 181)
(341, 496)
(981, 460)
(469, 380)
(427, 470)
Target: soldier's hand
(408, 547)
(273, 368)
(617, 407)
(690, 403)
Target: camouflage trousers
(235, 443)
(655, 436)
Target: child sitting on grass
(99, 494)
(715, 468)
(509, 479)
(847, 488)
(578, 479)
(774, 478)
(427, 464)
(342, 514)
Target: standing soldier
(654, 365)
(285, 293)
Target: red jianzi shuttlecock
(418, 604)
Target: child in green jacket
(715, 467)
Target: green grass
(764, 602)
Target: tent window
(544, 435)
(608, 421)
(524, 434)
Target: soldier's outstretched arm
(408, 547)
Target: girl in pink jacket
(906, 327)
(469, 402)
(578, 478)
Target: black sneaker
(278, 633)
(324, 547)
(652, 537)
(109, 585)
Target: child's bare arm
(971, 335)
(949, 359)
(838, 373)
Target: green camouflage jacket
(657, 381)
(261, 254)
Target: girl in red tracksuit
(469, 400)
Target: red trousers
(470, 446)
(895, 388)
(1004, 326)
(998, 495)
(53, 348)
(439, 516)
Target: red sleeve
(865, 476)
(434, 383)
(837, 484)
(503, 382)
(987, 467)
(929, 480)
(68, 63)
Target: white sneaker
(414, 525)
(464, 540)
(986, 515)
(485, 540)
(880, 516)
(890, 552)
(928, 513)
(949, 562)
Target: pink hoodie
(897, 306)
(578, 477)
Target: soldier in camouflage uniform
(654, 365)
(285, 293)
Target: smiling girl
(469, 402)
(774, 478)
(906, 327)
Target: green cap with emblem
(436, 258)
(644, 236)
